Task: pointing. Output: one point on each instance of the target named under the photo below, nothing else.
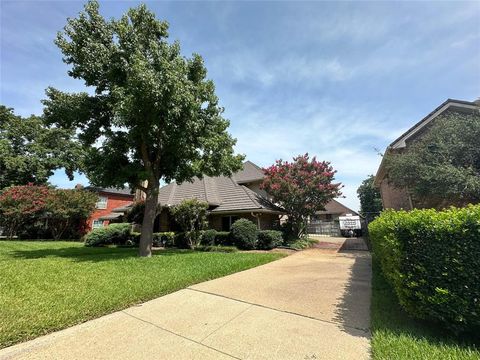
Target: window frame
(100, 203)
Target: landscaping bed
(47, 286)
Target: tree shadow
(352, 311)
(89, 254)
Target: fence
(324, 228)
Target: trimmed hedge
(113, 234)
(269, 239)
(432, 259)
(208, 237)
(244, 234)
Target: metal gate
(325, 228)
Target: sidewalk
(311, 305)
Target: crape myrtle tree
(30, 150)
(301, 187)
(191, 216)
(442, 167)
(151, 115)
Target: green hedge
(113, 234)
(244, 234)
(269, 239)
(432, 259)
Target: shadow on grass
(389, 317)
(89, 254)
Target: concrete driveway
(314, 304)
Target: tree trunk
(151, 203)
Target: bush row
(244, 235)
(432, 260)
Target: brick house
(396, 198)
(109, 199)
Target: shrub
(244, 234)
(208, 237)
(191, 216)
(432, 259)
(269, 239)
(163, 239)
(217, 248)
(113, 234)
(223, 238)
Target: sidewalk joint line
(283, 311)
(228, 322)
(179, 335)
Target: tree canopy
(370, 199)
(30, 150)
(301, 187)
(152, 115)
(442, 167)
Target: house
(396, 198)
(229, 198)
(109, 199)
(327, 222)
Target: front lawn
(396, 336)
(46, 286)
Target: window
(227, 222)
(97, 224)
(102, 202)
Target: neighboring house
(326, 222)
(109, 199)
(395, 198)
(229, 198)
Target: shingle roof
(250, 172)
(224, 194)
(334, 207)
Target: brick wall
(114, 201)
(393, 198)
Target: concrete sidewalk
(311, 305)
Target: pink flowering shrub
(301, 187)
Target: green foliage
(159, 239)
(223, 238)
(217, 248)
(67, 208)
(20, 205)
(152, 109)
(208, 237)
(303, 243)
(30, 150)
(244, 234)
(191, 216)
(432, 260)
(370, 199)
(301, 187)
(443, 167)
(113, 234)
(269, 239)
(31, 210)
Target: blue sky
(335, 79)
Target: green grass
(397, 336)
(46, 286)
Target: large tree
(151, 115)
(301, 187)
(442, 167)
(30, 150)
(370, 199)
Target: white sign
(349, 222)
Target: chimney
(79, 187)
